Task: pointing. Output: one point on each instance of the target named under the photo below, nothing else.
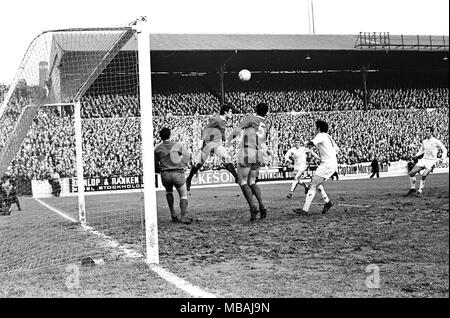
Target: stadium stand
(389, 129)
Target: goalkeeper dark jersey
(170, 156)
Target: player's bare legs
(170, 201)
(316, 184)
(193, 171)
(412, 179)
(244, 174)
(16, 201)
(296, 182)
(182, 192)
(222, 153)
(257, 192)
(425, 173)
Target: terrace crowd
(390, 129)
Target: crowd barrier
(69, 186)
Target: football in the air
(244, 75)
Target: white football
(244, 75)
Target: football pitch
(372, 229)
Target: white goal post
(145, 97)
(71, 62)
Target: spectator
(375, 168)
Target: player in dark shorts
(252, 155)
(170, 160)
(213, 136)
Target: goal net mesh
(99, 69)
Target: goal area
(70, 125)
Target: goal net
(70, 128)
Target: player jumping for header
(297, 157)
(429, 149)
(213, 137)
(252, 156)
(328, 165)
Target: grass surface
(285, 255)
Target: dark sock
(257, 192)
(170, 201)
(194, 170)
(183, 206)
(248, 194)
(230, 167)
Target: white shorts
(325, 170)
(221, 152)
(426, 163)
(298, 170)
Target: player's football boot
(175, 219)
(289, 196)
(300, 212)
(186, 220)
(326, 207)
(410, 192)
(263, 214)
(419, 194)
(253, 213)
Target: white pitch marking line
(180, 283)
(353, 205)
(57, 211)
(130, 253)
(343, 204)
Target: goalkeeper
(170, 159)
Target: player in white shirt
(328, 166)
(429, 149)
(297, 157)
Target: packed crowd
(20, 99)
(111, 146)
(184, 104)
(111, 126)
(184, 96)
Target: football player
(297, 157)
(328, 166)
(429, 149)
(213, 137)
(170, 159)
(252, 155)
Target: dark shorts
(173, 178)
(253, 166)
(249, 157)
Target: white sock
(421, 185)
(309, 198)
(412, 181)
(294, 185)
(322, 192)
